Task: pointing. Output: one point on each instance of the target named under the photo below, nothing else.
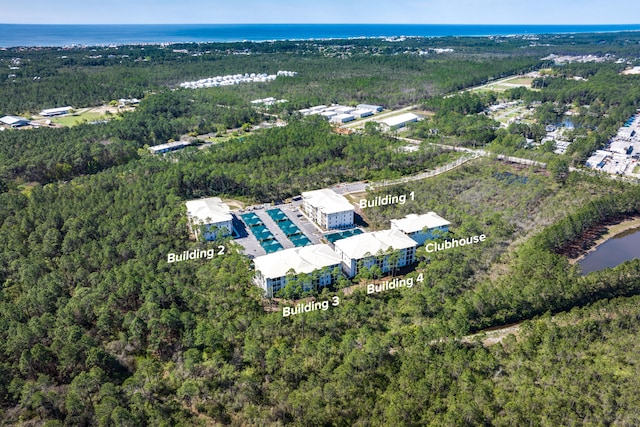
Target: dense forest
(96, 328)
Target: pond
(620, 248)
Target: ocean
(14, 35)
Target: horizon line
(330, 23)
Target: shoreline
(612, 231)
(241, 33)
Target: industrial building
(317, 261)
(342, 118)
(55, 111)
(14, 121)
(210, 215)
(169, 146)
(400, 121)
(345, 113)
(421, 227)
(328, 209)
(343, 110)
(329, 115)
(366, 249)
(369, 107)
(359, 114)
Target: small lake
(620, 248)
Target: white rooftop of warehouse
(368, 244)
(12, 120)
(398, 120)
(370, 107)
(170, 145)
(302, 260)
(413, 222)
(328, 201)
(208, 211)
(59, 110)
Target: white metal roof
(302, 260)
(59, 110)
(368, 244)
(413, 222)
(208, 211)
(342, 118)
(169, 145)
(344, 110)
(398, 120)
(619, 146)
(625, 132)
(12, 120)
(360, 112)
(328, 201)
(370, 107)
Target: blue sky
(324, 11)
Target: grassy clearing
(79, 118)
(503, 85)
(522, 81)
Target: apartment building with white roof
(368, 249)
(211, 213)
(274, 270)
(328, 209)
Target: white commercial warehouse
(342, 118)
(372, 108)
(169, 146)
(421, 227)
(366, 247)
(55, 111)
(272, 269)
(328, 209)
(399, 121)
(211, 213)
(14, 121)
(361, 113)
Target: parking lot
(255, 222)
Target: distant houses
(234, 79)
(268, 102)
(622, 153)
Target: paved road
(351, 187)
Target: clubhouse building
(421, 227)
